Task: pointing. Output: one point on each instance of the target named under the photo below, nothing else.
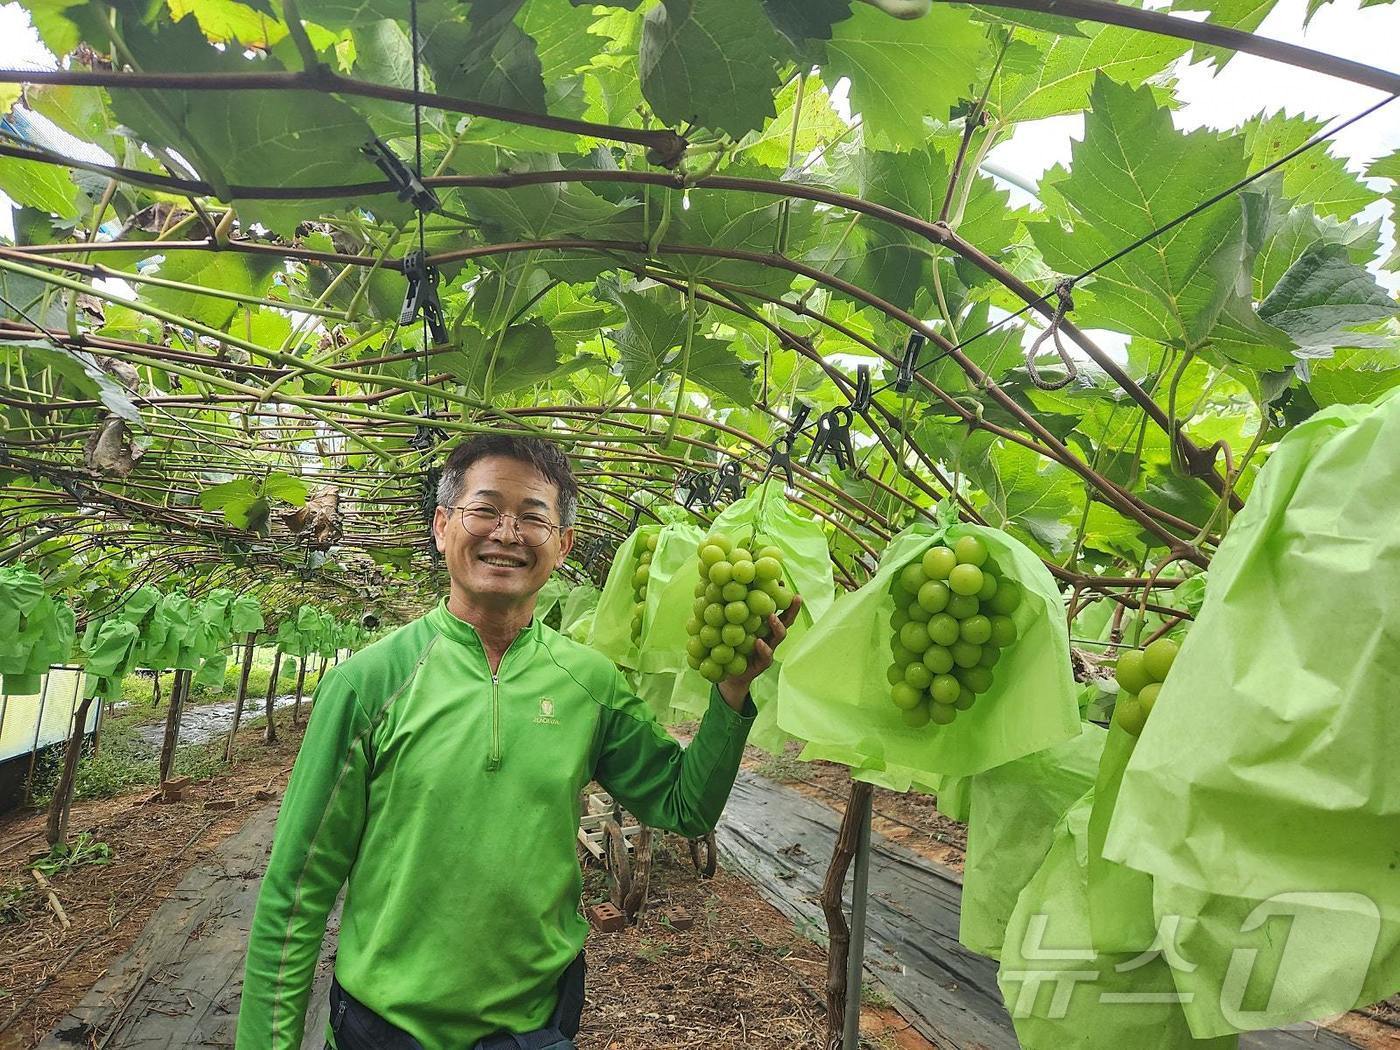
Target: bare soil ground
(46, 969)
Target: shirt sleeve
(318, 833)
(662, 784)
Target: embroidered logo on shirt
(546, 716)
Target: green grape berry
(710, 636)
(1003, 631)
(919, 676)
(722, 654)
(934, 596)
(918, 612)
(731, 634)
(739, 554)
(894, 674)
(905, 696)
(961, 606)
(761, 604)
(721, 572)
(733, 592)
(944, 689)
(744, 571)
(1148, 697)
(1130, 672)
(990, 655)
(711, 554)
(736, 612)
(965, 654)
(650, 540)
(752, 624)
(696, 648)
(942, 714)
(736, 666)
(976, 629)
(970, 550)
(989, 586)
(966, 699)
(1129, 714)
(903, 657)
(722, 541)
(714, 593)
(914, 636)
(938, 562)
(1007, 597)
(938, 659)
(912, 577)
(714, 614)
(776, 553)
(978, 679)
(964, 579)
(711, 671)
(943, 629)
(1157, 658)
(767, 569)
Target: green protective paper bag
(1013, 813)
(111, 655)
(576, 618)
(245, 615)
(612, 623)
(1061, 994)
(834, 692)
(552, 594)
(40, 632)
(1251, 964)
(142, 603)
(1120, 899)
(211, 672)
(1268, 765)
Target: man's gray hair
(545, 456)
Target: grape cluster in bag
(952, 618)
(640, 579)
(1140, 674)
(737, 591)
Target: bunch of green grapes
(951, 621)
(640, 579)
(1140, 674)
(737, 591)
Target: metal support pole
(34, 748)
(855, 959)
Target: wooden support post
(34, 747)
(838, 933)
(179, 690)
(242, 693)
(270, 728)
(57, 827)
(301, 681)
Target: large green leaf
(384, 55)
(710, 62)
(1060, 82)
(43, 186)
(904, 71)
(1315, 178)
(1132, 174)
(226, 271)
(1322, 297)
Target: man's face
(500, 569)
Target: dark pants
(357, 1027)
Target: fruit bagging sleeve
(1265, 778)
(834, 691)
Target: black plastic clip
(913, 347)
(834, 439)
(860, 400)
(636, 520)
(780, 452)
(426, 436)
(404, 181)
(730, 483)
(699, 489)
(421, 295)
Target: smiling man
(440, 778)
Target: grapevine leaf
(904, 71)
(710, 62)
(1316, 177)
(1322, 297)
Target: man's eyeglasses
(482, 519)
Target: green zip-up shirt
(449, 799)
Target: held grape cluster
(640, 579)
(951, 621)
(1140, 674)
(737, 591)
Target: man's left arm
(682, 789)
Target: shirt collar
(458, 630)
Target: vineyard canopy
(658, 229)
